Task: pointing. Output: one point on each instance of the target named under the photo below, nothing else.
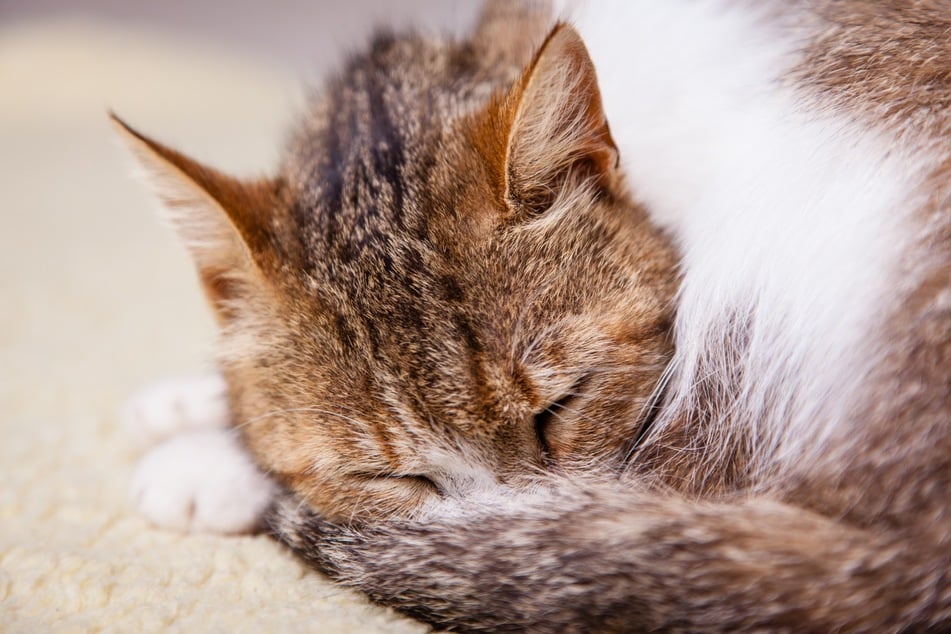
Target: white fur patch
(165, 408)
(790, 217)
(201, 481)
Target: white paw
(201, 481)
(168, 407)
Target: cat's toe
(202, 481)
(165, 408)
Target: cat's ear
(554, 131)
(220, 219)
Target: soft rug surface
(98, 299)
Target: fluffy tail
(609, 560)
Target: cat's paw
(165, 408)
(202, 481)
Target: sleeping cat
(504, 376)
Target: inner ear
(223, 221)
(549, 131)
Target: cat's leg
(198, 476)
(165, 408)
(202, 481)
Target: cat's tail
(605, 559)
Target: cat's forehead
(365, 191)
(369, 168)
(374, 126)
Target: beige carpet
(97, 299)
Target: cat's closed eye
(420, 481)
(545, 422)
(400, 478)
(541, 422)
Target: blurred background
(98, 298)
(295, 33)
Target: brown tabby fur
(447, 288)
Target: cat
(510, 368)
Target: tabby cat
(504, 376)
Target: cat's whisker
(291, 410)
(239, 426)
(544, 334)
(652, 403)
(527, 306)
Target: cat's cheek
(202, 481)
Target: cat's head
(445, 286)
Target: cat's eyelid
(541, 421)
(384, 475)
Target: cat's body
(799, 155)
(434, 270)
